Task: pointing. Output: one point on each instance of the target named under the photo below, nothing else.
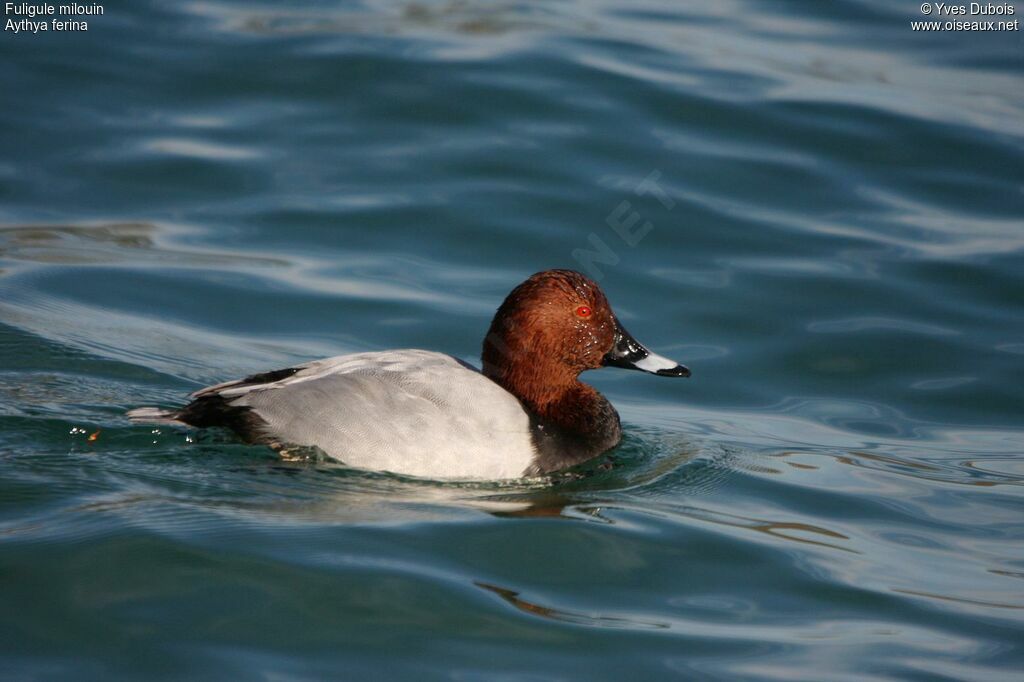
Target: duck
(426, 414)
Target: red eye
(584, 311)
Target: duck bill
(629, 353)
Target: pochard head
(555, 325)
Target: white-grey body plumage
(412, 412)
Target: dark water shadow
(532, 608)
(115, 242)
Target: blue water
(816, 208)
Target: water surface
(815, 208)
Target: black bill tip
(629, 353)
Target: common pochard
(428, 414)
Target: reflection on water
(779, 529)
(974, 602)
(455, 16)
(535, 609)
(133, 243)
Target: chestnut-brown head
(555, 325)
